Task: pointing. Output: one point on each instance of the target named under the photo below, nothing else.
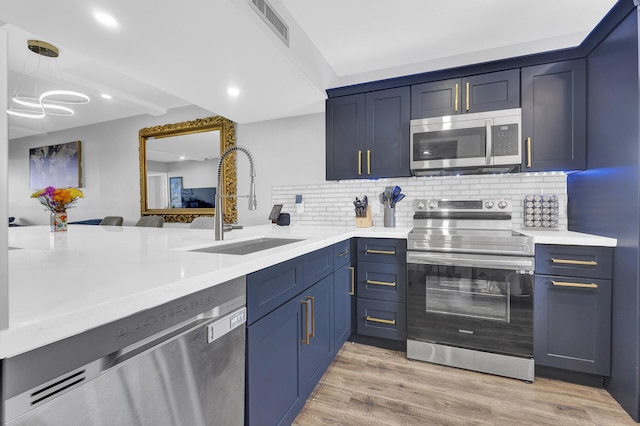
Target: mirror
(179, 169)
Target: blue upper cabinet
(368, 135)
(554, 108)
(477, 93)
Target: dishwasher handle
(216, 328)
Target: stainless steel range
(470, 295)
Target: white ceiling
(164, 55)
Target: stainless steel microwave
(484, 142)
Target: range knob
(502, 204)
(420, 205)
(488, 204)
(432, 204)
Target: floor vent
(269, 15)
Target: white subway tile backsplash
(331, 203)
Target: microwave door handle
(489, 142)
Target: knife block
(365, 222)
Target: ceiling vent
(269, 15)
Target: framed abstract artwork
(55, 165)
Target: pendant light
(52, 102)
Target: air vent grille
(52, 390)
(269, 15)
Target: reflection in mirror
(182, 171)
(178, 169)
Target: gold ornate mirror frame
(228, 175)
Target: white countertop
(61, 284)
(568, 238)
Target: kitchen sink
(247, 247)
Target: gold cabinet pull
(353, 281)
(388, 284)
(390, 252)
(380, 320)
(574, 262)
(467, 96)
(528, 152)
(580, 285)
(313, 316)
(368, 161)
(307, 335)
(343, 254)
(359, 162)
(455, 102)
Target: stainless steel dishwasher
(181, 363)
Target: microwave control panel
(505, 139)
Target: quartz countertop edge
(63, 285)
(568, 238)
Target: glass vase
(58, 221)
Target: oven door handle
(484, 261)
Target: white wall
(110, 168)
(287, 151)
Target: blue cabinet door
(273, 344)
(387, 133)
(344, 293)
(316, 351)
(572, 324)
(345, 138)
(554, 113)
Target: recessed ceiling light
(106, 96)
(233, 91)
(106, 19)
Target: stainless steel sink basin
(247, 247)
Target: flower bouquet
(57, 201)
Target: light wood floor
(371, 386)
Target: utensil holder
(365, 222)
(389, 217)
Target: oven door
(476, 302)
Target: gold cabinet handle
(455, 102)
(580, 285)
(307, 335)
(380, 320)
(359, 162)
(574, 262)
(388, 284)
(353, 281)
(313, 316)
(390, 252)
(343, 254)
(467, 96)
(368, 161)
(528, 152)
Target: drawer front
(382, 281)
(317, 265)
(341, 254)
(382, 250)
(383, 319)
(574, 261)
(271, 287)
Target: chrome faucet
(253, 203)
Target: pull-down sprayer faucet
(253, 203)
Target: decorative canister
(58, 221)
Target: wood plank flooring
(372, 386)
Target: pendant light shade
(52, 102)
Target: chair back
(202, 222)
(112, 221)
(151, 221)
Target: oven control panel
(477, 205)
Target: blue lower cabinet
(343, 297)
(379, 318)
(288, 351)
(316, 337)
(273, 345)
